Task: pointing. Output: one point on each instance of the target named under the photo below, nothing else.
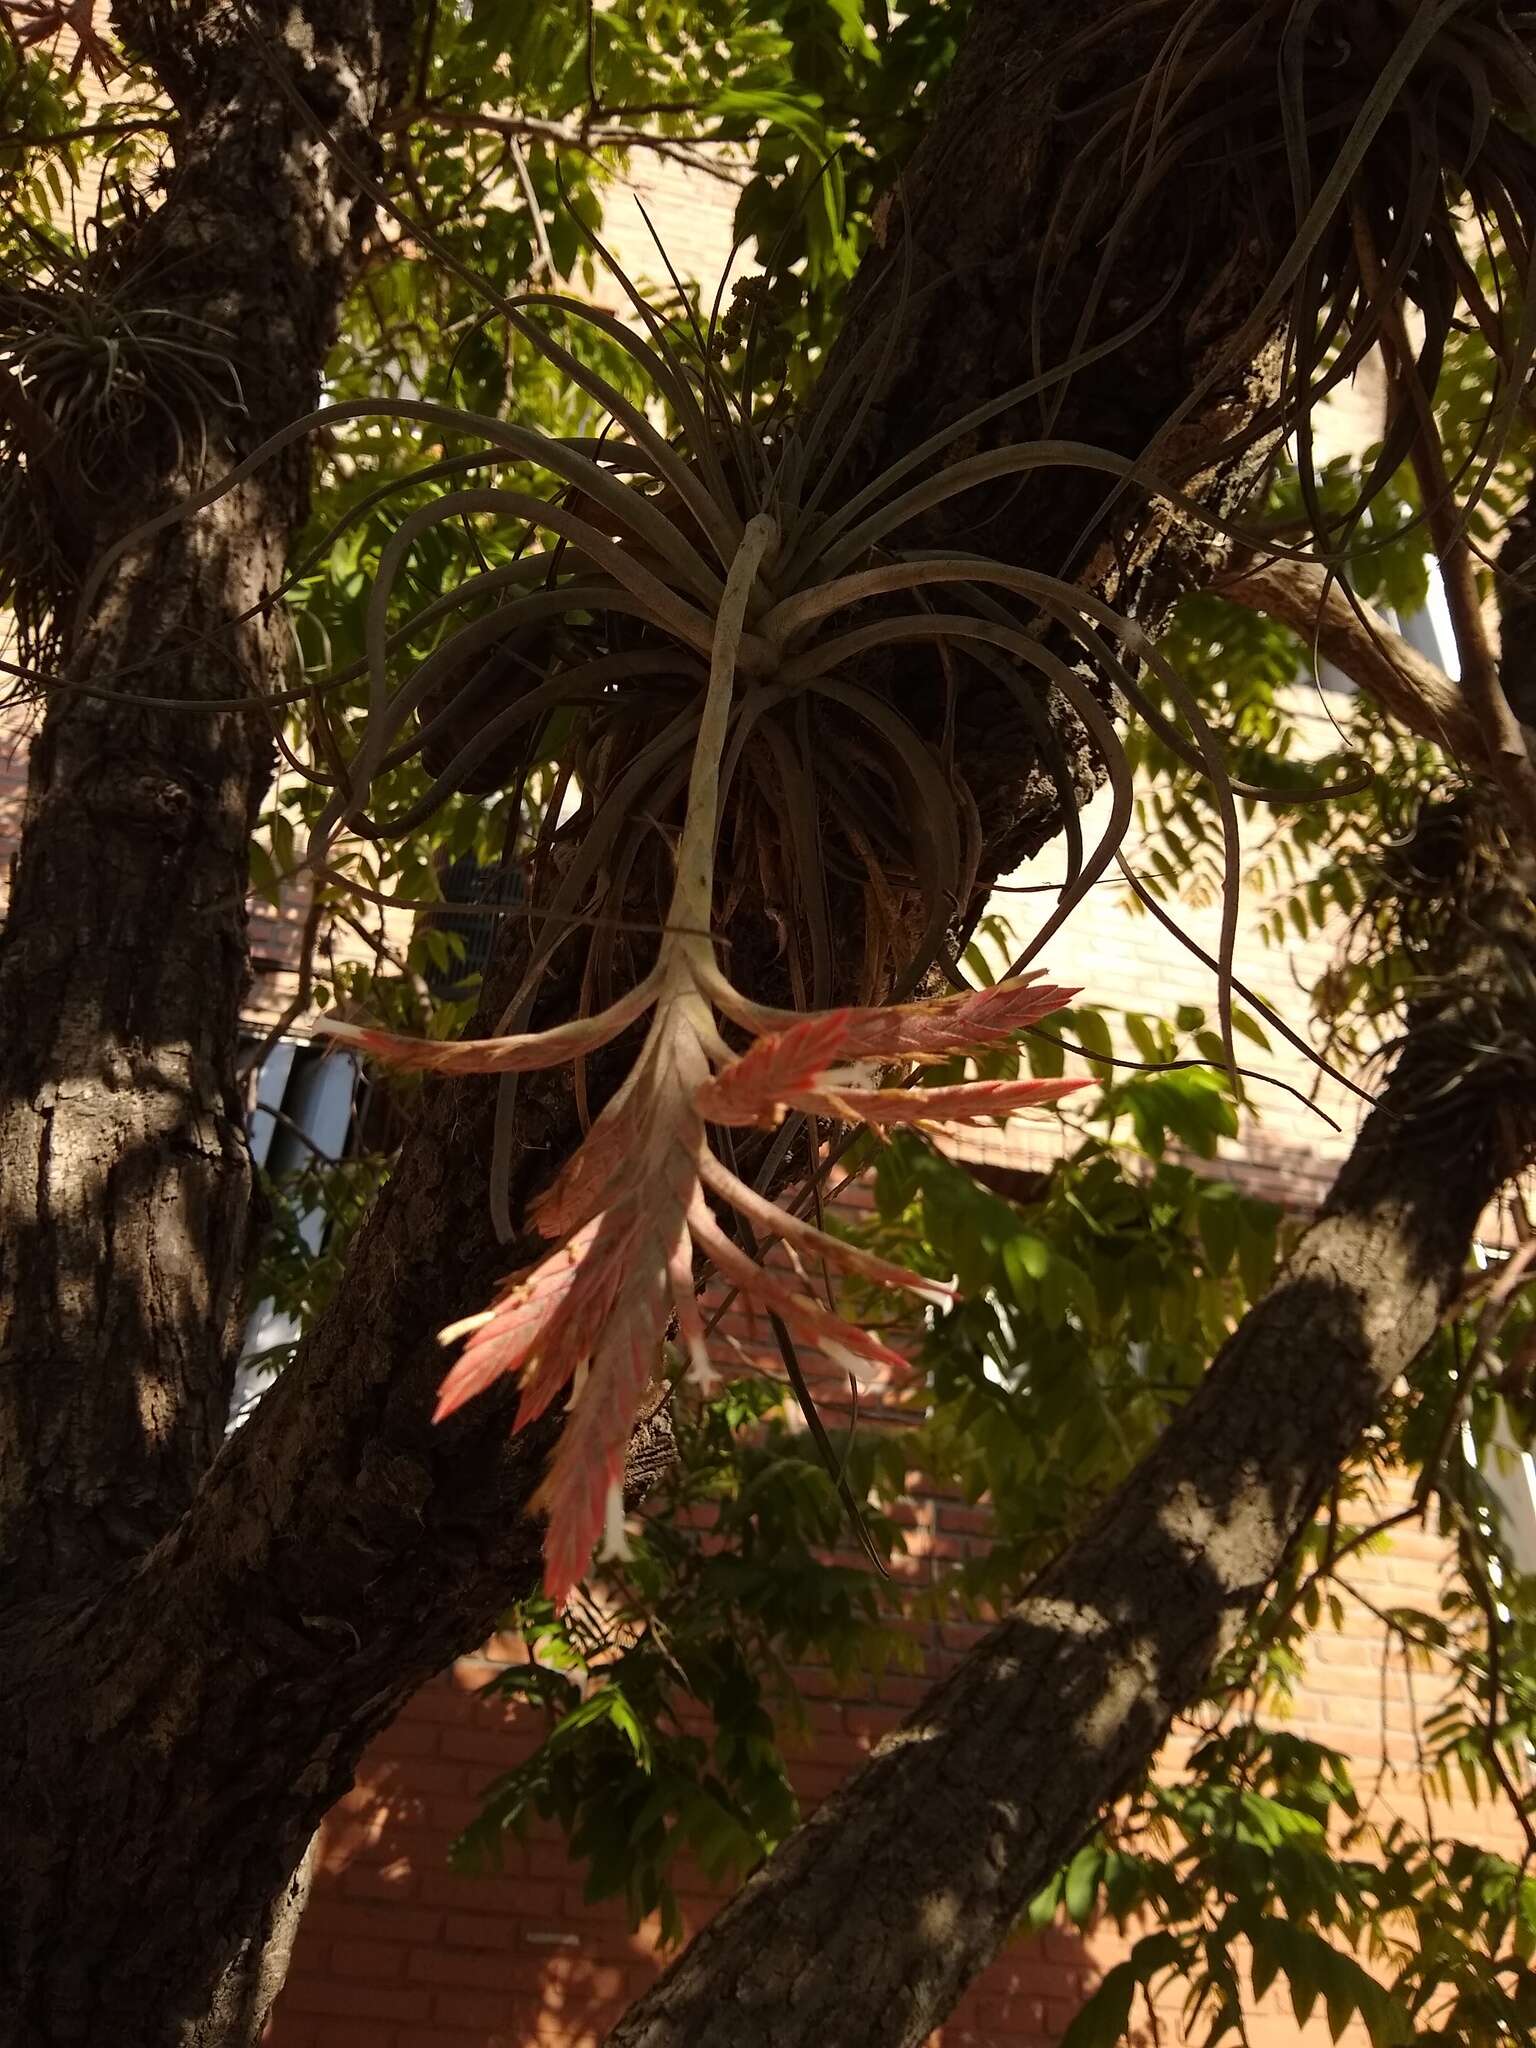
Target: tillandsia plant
(603, 639)
(91, 363)
(1404, 131)
(631, 1208)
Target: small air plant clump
(632, 1207)
(42, 21)
(99, 369)
(88, 374)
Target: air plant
(97, 367)
(828, 779)
(85, 371)
(631, 1209)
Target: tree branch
(585, 138)
(871, 1919)
(1407, 685)
(1505, 754)
(93, 131)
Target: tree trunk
(245, 1994)
(123, 1162)
(122, 963)
(868, 1923)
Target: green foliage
(1086, 1317)
(1265, 1860)
(668, 1692)
(289, 1271)
(1091, 1310)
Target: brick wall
(396, 1951)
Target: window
(302, 1105)
(1428, 630)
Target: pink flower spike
(690, 1323)
(771, 1221)
(949, 1024)
(752, 1089)
(518, 1326)
(589, 1459)
(965, 1102)
(597, 1165)
(806, 1318)
(628, 1212)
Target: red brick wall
(397, 1950)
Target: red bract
(632, 1210)
(40, 20)
(796, 1067)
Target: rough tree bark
(122, 963)
(124, 1172)
(198, 1711)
